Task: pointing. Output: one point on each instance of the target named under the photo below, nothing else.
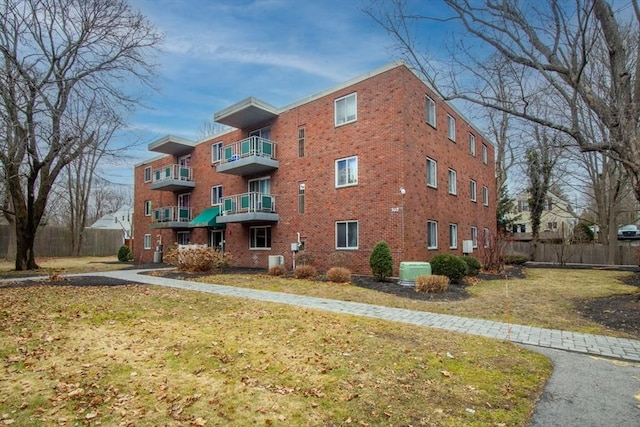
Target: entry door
(216, 240)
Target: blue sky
(218, 52)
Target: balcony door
(184, 203)
(258, 188)
(262, 133)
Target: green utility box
(409, 270)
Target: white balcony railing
(248, 203)
(171, 214)
(252, 146)
(172, 172)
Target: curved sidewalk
(618, 348)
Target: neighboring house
(118, 220)
(380, 157)
(557, 221)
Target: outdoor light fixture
(402, 191)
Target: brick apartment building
(380, 157)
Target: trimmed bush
(305, 271)
(448, 265)
(515, 259)
(433, 284)
(277, 270)
(381, 261)
(124, 254)
(198, 259)
(473, 265)
(339, 275)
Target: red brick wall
(391, 140)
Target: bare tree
(540, 168)
(580, 55)
(96, 129)
(61, 58)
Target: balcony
(172, 178)
(250, 156)
(171, 217)
(248, 207)
(172, 145)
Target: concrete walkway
(618, 348)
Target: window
(147, 241)
(453, 236)
(452, 182)
(485, 156)
(432, 173)
(216, 195)
(301, 137)
(147, 208)
(523, 206)
(301, 187)
(473, 190)
(431, 112)
(147, 174)
(485, 195)
(347, 235)
(432, 235)
(216, 152)
(474, 236)
(346, 109)
(347, 171)
(472, 144)
(451, 128)
(182, 237)
(549, 204)
(487, 237)
(260, 237)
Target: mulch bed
(618, 312)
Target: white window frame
(453, 236)
(301, 197)
(253, 237)
(432, 235)
(430, 113)
(348, 231)
(451, 127)
(147, 208)
(147, 174)
(302, 133)
(485, 195)
(432, 182)
(218, 190)
(216, 152)
(474, 236)
(485, 154)
(181, 239)
(348, 166)
(472, 144)
(147, 241)
(453, 185)
(345, 118)
(473, 190)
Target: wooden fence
(578, 254)
(56, 242)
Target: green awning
(207, 218)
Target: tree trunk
(25, 256)
(613, 240)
